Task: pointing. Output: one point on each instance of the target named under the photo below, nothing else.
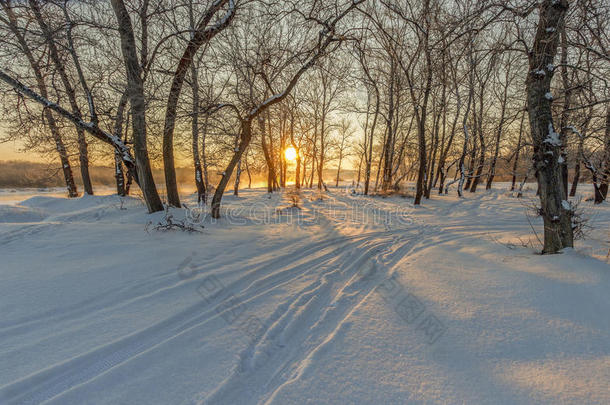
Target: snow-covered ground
(344, 300)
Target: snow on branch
(90, 127)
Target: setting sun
(290, 153)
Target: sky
(10, 151)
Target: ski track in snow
(322, 309)
(319, 255)
(336, 273)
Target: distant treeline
(22, 174)
(25, 174)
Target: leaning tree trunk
(202, 34)
(92, 110)
(245, 136)
(237, 178)
(556, 211)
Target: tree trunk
(339, 169)
(201, 35)
(199, 184)
(389, 139)
(555, 210)
(494, 161)
(433, 152)
(57, 138)
(266, 154)
(576, 178)
(118, 131)
(135, 90)
(605, 175)
(245, 136)
(516, 162)
(482, 150)
(565, 111)
(82, 143)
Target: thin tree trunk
(576, 178)
(118, 131)
(82, 143)
(56, 135)
(516, 162)
(482, 150)
(201, 191)
(492, 168)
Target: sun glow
(290, 154)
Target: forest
(448, 94)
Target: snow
(553, 137)
(345, 300)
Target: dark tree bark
(202, 34)
(482, 148)
(118, 130)
(199, 183)
(421, 111)
(371, 134)
(135, 91)
(89, 127)
(605, 175)
(388, 146)
(555, 209)
(565, 112)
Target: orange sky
(10, 151)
